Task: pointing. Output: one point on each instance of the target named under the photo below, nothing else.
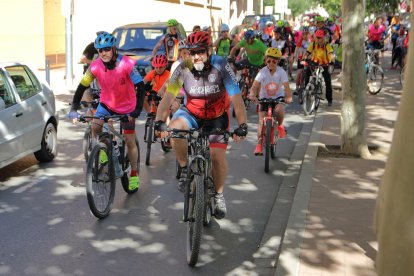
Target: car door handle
(18, 114)
(44, 102)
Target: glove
(160, 126)
(241, 131)
(73, 114)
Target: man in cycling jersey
(119, 79)
(321, 52)
(223, 43)
(209, 84)
(271, 82)
(170, 41)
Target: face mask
(199, 66)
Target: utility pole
(67, 12)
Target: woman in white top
(271, 82)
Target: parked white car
(28, 120)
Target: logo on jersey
(272, 88)
(231, 72)
(212, 78)
(204, 90)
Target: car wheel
(48, 149)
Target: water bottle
(115, 158)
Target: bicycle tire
(87, 142)
(127, 169)
(375, 74)
(308, 101)
(274, 143)
(150, 139)
(267, 145)
(209, 201)
(100, 182)
(195, 222)
(318, 94)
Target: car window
(137, 38)
(6, 96)
(25, 82)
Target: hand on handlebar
(160, 129)
(74, 115)
(253, 98)
(240, 132)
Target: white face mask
(199, 66)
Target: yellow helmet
(273, 52)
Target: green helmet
(172, 22)
(319, 19)
(330, 19)
(281, 23)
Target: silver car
(28, 121)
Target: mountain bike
(149, 137)
(105, 165)
(199, 189)
(269, 134)
(375, 74)
(312, 94)
(248, 73)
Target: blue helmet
(225, 28)
(104, 40)
(249, 34)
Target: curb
(289, 257)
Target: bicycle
(149, 137)
(269, 134)
(199, 189)
(375, 74)
(101, 174)
(248, 73)
(312, 94)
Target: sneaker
(329, 103)
(282, 131)
(258, 150)
(183, 179)
(220, 206)
(133, 182)
(103, 157)
(295, 92)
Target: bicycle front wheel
(308, 101)
(87, 142)
(375, 78)
(195, 222)
(267, 144)
(150, 139)
(100, 181)
(127, 169)
(273, 142)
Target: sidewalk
(329, 231)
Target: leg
(259, 150)
(219, 172)
(132, 150)
(280, 116)
(179, 145)
(328, 83)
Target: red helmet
(198, 40)
(319, 33)
(160, 60)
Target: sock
(134, 173)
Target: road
(47, 227)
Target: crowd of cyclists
(197, 80)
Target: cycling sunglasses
(198, 52)
(106, 49)
(272, 60)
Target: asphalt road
(47, 228)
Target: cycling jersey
(255, 51)
(157, 81)
(171, 46)
(320, 54)
(207, 96)
(375, 34)
(271, 85)
(117, 85)
(280, 44)
(223, 48)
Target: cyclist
(156, 78)
(320, 25)
(223, 43)
(170, 41)
(322, 54)
(255, 50)
(271, 82)
(375, 33)
(117, 77)
(209, 84)
(302, 46)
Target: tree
(353, 80)
(299, 6)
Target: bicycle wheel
(402, 76)
(126, 166)
(195, 222)
(87, 142)
(318, 96)
(273, 142)
(375, 78)
(150, 139)
(100, 182)
(308, 100)
(209, 202)
(267, 144)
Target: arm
(83, 85)
(157, 46)
(254, 91)
(217, 42)
(164, 107)
(288, 92)
(233, 50)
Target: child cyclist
(271, 82)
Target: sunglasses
(198, 52)
(106, 49)
(272, 60)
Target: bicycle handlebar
(278, 100)
(122, 118)
(176, 133)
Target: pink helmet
(160, 60)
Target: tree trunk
(354, 83)
(394, 217)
